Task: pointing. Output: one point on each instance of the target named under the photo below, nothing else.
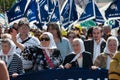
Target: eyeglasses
(45, 39)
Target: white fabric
(96, 50)
(106, 50)
(10, 53)
(33, 41)
(82, 49)
(52, 44)
(80, 62)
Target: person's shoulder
(89, 40)
(34, 38)
(71, 54)
(64, 39)
(2, 63)
(117, 55)
(16, 56)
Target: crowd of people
(25, 50)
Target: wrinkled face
(5, 47)
(76, 46)
(45, 40)
(96, 34)
(24, 29)
(112, 46)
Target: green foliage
(6, 5)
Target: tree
(6, 5)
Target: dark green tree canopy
(6, 5)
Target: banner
(73, 16)
(65, 74)
(113, 11)
(18, 10)
(43, 8)
(89, 10)
(65, 11)
(55, 16)
(98, 16)
(32, 11)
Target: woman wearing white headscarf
(103, 60)
(46, 56)
(8, 55)
(78, 58)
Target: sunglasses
(45, 39)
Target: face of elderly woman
(45, 40)
(76, 46)
(112, 46)
(5, 47)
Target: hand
(14, 75)
(14, 34)
(94, 67)
(68, 65)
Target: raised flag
(55, 16)
(113, 11)
(43, 8)
(51, 4)
(89, 10)
(73, 12)
(32, 12)
(65, 11)
(17, 11)
(98, 16)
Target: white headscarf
(52, 44)
(12, 48)
(106, 50)
(82, 47)
(9, 56)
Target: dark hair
(56, 27)
(71, 32)
(89, 32)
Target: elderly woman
(46, 56)
(103, 60)
(3, 71)
(79, 58)
(12, 60)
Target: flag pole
(4, 13)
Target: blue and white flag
(89, 10)
(51, 4)
(17, 11)
(98, 16)
(73, 12)
(55, 16)
(113, 11)
(32, 11)
(65, 11)
(43, 6)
